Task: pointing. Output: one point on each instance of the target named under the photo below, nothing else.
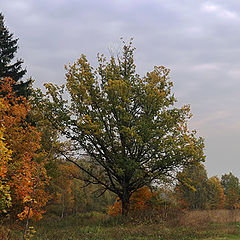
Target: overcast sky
(198, 40)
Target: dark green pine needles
(8, 67)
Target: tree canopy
(127, 124)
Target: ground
(202, 225)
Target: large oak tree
(127, 124)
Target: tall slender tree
(192, 189)
(231, 188)
(8, 67)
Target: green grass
(97, 226)
(127, 231)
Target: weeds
(97, 226)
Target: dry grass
(214, 224)
(199, 217)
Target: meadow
(206, 224)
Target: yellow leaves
(118, 89)
(3, 106)
(18, 167)
(27, 198)
(217, 196)
(5, 157)
(186, 181)
(157, 79)
(190, 187)
(30, 233)
(134, 117)
(88, 126)
(128, 132)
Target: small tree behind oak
(231, 188)
(192, 190)
(127, 124)
(216, 196)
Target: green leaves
(231, 188)
(127, 124)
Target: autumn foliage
(5, 157)
(139, 201)
(22, 177)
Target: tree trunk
(63, 205)
(26, 226)
(125, 203)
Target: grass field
(204, 225)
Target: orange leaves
(26, 177)
(138, 202)
(116, 209)
(21, 138)
(140, 198)
(63, 183)
(31, 213)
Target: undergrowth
(99, 226)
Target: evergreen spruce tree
(8, 49)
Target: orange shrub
(138, 202)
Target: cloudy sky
(198, 40)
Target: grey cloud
(197, 40)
